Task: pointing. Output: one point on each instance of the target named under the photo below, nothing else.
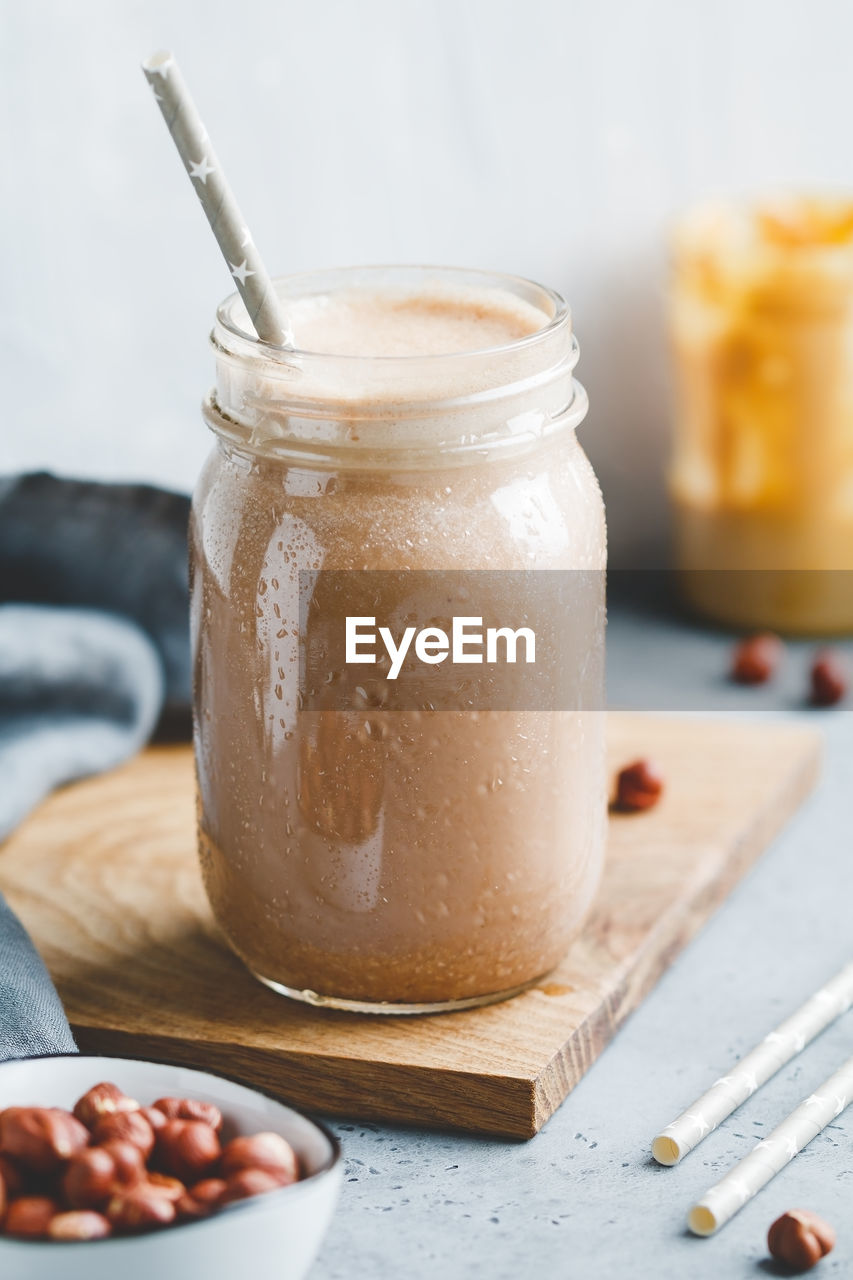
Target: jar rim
(530, 291)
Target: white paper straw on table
(217, 199)
(777, 1048)
(732, 1192)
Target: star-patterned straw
(732, 1192)
(777, 1048)
(217, 199)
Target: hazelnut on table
(799, 1239)
(829, 678)
(638, 786)
(756, 658)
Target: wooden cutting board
(104, 876)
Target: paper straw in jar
(777, 1048)
(217, 199)
(732, 1192)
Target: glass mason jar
(761, 478)
(414, 859)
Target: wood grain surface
(104, 876)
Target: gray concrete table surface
(584, 1198)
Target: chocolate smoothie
(405, 858)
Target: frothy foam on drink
(424, 323)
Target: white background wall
(554, 138)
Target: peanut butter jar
(416, 859)
(761, 478)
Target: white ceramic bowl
(276, 1235)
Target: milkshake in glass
(412, 859)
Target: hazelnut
(190, 1109)
(128, 1160)
(125, 1126)
(208, 1191)
(828, 678)
(187, 1149)
(79, 1224)
(140, 1209)
(249, 1182)
(4, 1198)
(638, 786)
(202, 1199)
(756, 658)
(154, 1117)
(97, 1173)
(266, 1151)
(40, 1138)
(171, 1188)
(799, 1239)
(30, 1216)
(102, 1100)
(88, 1180)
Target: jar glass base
(319, 1001)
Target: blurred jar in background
(761, 478)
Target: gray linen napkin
(32, 1020)
(93, 649)
(80, 691)
(118, 548)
